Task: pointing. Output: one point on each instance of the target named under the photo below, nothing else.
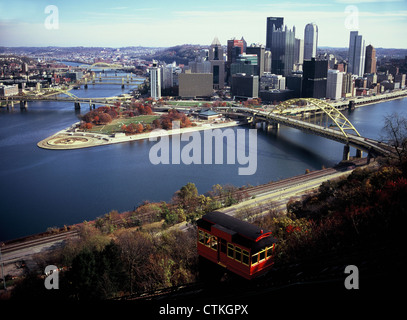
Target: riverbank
(69, 138)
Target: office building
(8, 91)
(259, 52)
(370, 59)
(271, 81)
(298, 54)
(193, 85)
(356, 54)
(273, 23)
(244, 86)
(314, 78)
(245, 63)
(348, 85)
(334, 84)
(235, 48)
(217, 64)
(282, 51)
(310, 41)
(155, 81)
(294, 83)
(267, 61)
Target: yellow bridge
(337, 127)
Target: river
(45, 188)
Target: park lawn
(116, 125)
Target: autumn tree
(105, 118)
(135, 248)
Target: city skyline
(162, 24)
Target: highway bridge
(337, 127)
(56, 95)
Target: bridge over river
(333, 125)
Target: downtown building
(195, 85)
(310, 41)
(314, 82)
(217, 64)
(273, 23)
(155, 80)
(244, 86)
(356, 54)
(282, 51)
(298, 54)
(334, 84)
(259, 51)
(370, 59)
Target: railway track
(247, 193)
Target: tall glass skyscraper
(272, 23)
(283, 51)
(310, 41)
(356, 54)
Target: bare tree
(395, 134)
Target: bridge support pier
(346, 153)
(272, 126)
(77, 105)
(23, 105)
(359, 153)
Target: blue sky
(166, 23)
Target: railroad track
(9, 248)
(248, 193)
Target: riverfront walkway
(69, 138)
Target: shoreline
(68, 139)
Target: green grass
(116, 125)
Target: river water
(45, 188)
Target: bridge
(104, 65)
(129, 81)
(333, 124)
(54, 95)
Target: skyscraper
(155, 80)
(314, 78)
(283, 51)
(334, 84)
(298, 54)
(310, 41)
(370, 64)
(272, 23)
(356, 54)
(218, 64)
(259, 51)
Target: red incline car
(237, 245)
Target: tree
(139, 128)
(135, 249)
(395, 131)
(96, 274)
(187, 197)
(157, 124)
(105, 118)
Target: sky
(163, 23)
